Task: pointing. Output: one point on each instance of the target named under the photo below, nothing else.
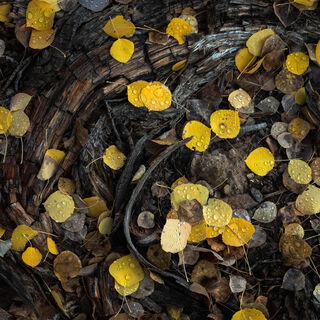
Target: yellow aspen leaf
(50, 163)
(299, 128)
(20, 236)
(192, 21)
(297, 62)
(225, 123)
(179, 65)
(189, 191)
(213, 232)
(60, 206)
(56, 155)
(59, 303)
(256, 41)
(114, 158)
(67, 186)
(239, 98)
(260, 161)
(96, 206)
(294, 229)
(118, 27)
(134, 91)
(40, 15)
(238, 232)
(5, 120)
(156, 96)
(217, 213)
(300, 96)
(55, 4)
(19, 101)
(125, 291)
(105, 225)
(200, 134)
(20, 124)
(122, 50)
(248, 313)
(299, 171)
(255, 67)
(308, 3)
(66, 265)
(2, 231)
(287, 82)
(178, 28)
(4, 11)
(41, 39)
(174, 235)
(244, 59)
(52, 246)
(198, 232)
(308, 202)
(126, 271)
(31, 257)
(318, 52)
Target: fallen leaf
(94, 5)
(96, 206)
(40, 15)
(297, 63)
(299, 171)
(225, 123)
(118, 27)
(217, 213)
(122, 50)
(52, 247)
(66, 265)
(244, 59)
(200, 134)
(114, 158)
(20, 236)
(40, 39)
(178, 28)
(248, 313)
(256, 41)
(5, 119)
(31, 257)
(19, 125)
(260, 161)
(134, 91)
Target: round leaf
(256, 41)
(134, 91)
(299, 171)
(5, 120)
(118, 27)
(32, 257)
(20, 124)
(122, 50)
(217, 213)
(225, 123)
(201, 135)
(114, 158)
(297, 62)
(260, 161)
(40, 15)
(178, 28)
(20, 236)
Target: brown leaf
(286, 13)
(190, 211)
(81, 132)
(273, 60)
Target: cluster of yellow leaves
(40, 17)
(122, 49)
(127, 274)
(246, 57)
(155, 96)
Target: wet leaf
(20, 236)
(225, 123)
(217, 213)
(269, 104)
(278, 128)
(41, 39)
(114, 158)
(156, 96)
(96, 206)
(293, 280)
(266, 213)
(256, 41)
(189, 191)
(174, 235)
(5, 119)
(260, 161)
(287, 82)
(244, 59)
(248, 313)
(273, 43)
(31, 257)
(308, 202)
(300, 96)
(200, 134)
(318, 52)
(126, 271)
(299, 128)
(294, 229)
(299, 171)
(237, 284)
(190, 211)
(258, 239)
(125, 291)
(59, 206)
(239, 99)
(5, 246)
(316, 292)
(19, 125)
(118, 27)
(238, 232)
(122, 50)
(198, 232)
(297, 63)
(66, 265)
(40, 15)
(66, 186)
(178, 28)
(134, 91)
(52, 247)
(315, 167)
